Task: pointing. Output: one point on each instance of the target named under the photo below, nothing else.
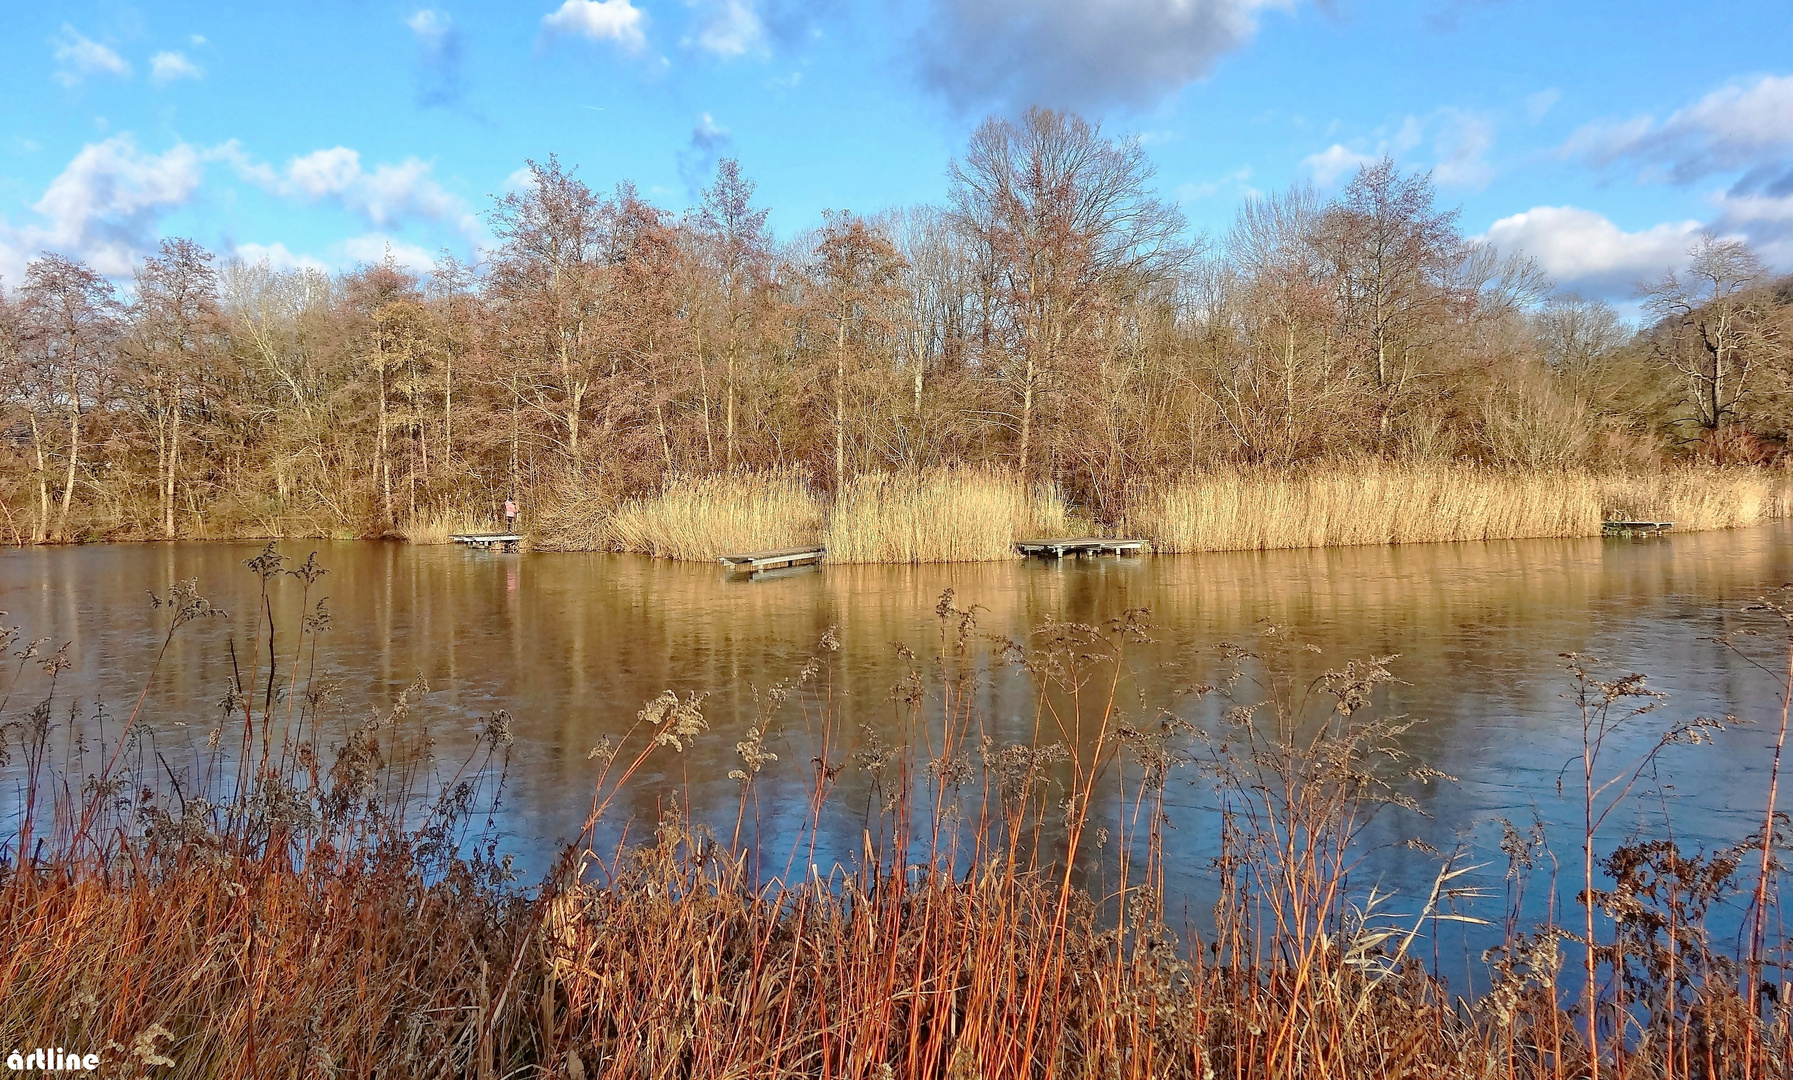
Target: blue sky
(1599, 136)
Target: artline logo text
(54, 1059)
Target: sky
(1599, 137)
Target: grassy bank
(972, 515)
(307, 892)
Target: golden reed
(977, 514)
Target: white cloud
(165, 67)
(374, 247)
(106, 204)
(386, 196)
(432, 27)
(600, 20)
(1764, 213)
(78, 56)
(1077, 53)
(1460, 142)
(732, 28)
(278, 257)
(1734, 127)
(1584, 251)
(1334, 162)
(322, 173)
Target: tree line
(1054, 318)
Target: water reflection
(573, 644)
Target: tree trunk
(1027, 416)
(840, 404)
(174, 461)
(42, 529)
(448, 413)
(381, 467)
(74, 457)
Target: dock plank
(1059, 547)
(755, 561)
(488, 540)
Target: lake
(572, 645)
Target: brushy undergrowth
(304, 891)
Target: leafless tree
(1714, 329)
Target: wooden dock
(754, 562)
(1081, 545)
(506, 541)
(1635, 528)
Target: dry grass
(268, 913)
(976, 515)
(439, 526)
(700, 518)
(1698, 498)
(1396, 503)
(1362, 503)
(945, 515)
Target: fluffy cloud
(731, 28)
(1760, 206)
(1586, 253)
(1736, 127)
(386, 195)
(107, 204)
(1460, 142)
(600, 20)
(1335, 162)
(442, 57)
(278, 257)
(376, 247)
(1076, 53)
(166, 67)
(78, 56)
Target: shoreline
(975, 515)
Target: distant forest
(1054, 319)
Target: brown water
(573, 644)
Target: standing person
(510, 515)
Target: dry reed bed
(946, 515)
(440, 526)
(1383, 503)
(976, 515)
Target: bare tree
(70, 325)
(856, 270)
(176, 320)
(738, 249)
(1066, 222)
(1714, 330)
(551, 284)
(1392, 251)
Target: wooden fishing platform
(506, 541)
(754, 562)
(1635, 528)
(1081, 545)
